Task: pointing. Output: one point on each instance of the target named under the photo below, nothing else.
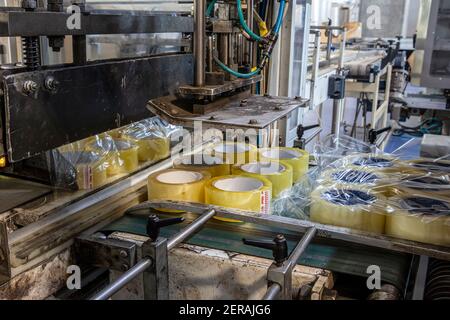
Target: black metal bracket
(278, 246)
(154, 224)
(373, 134)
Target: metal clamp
(155, 264)
(279, 275)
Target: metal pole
(249, 44)
(272, 292)
(123, 280)
(301, 247)
(199, 42)
(189, 230)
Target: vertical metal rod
(272, 292)
(189, 230)
(338, 106)
(199, 42)
(123, 280)
(210, 53)
(223, 48)
(249, 44)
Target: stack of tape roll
(240, 192)
(426, 183)
(151, 147)
(203, 162)
(235, 153)
(419, 218)
(121, 155)
(178, 185)
(349, 206)
(279, 173)
(297, 158)
(90, 168)
(430, 165)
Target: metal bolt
(124, 267)
(253, 121)
(278, 108)
(123, 253)
(51, 83)
(243, 103)
(267, 96)
(29, 86)
(212, 118)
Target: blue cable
(210, 8)
(244, 25)
(279, 21)
(235, 73)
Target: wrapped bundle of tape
(88, 168)
(419, 218)
(374, 161)
(279, 173)
(297, 158)
(430, 165)
(151, 145)
(203, 162)
(121, 155)
(348, 206)
(240, 192)
(235, 153)
(424, 183)
(178, 185)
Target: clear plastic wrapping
(356, 186)
(95, 161)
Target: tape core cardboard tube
(238, 184)
(263, 168)
(179, 177)
(281, 154)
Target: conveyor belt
(337, 257)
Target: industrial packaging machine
(211, 72)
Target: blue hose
(244, 25)
(235, 73)
(210, 8)
(279, 21)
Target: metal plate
(214, 90)
(89, 99)
(15, 192)
(256, 112)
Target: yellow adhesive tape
(279, 173)
(427, 183)
(177, 185)
(421, 218)
(121, 155)
(297, 158)
(235, 153)
(203, 162)
(151, 148)
(239, 192)
(349, 207)
(90, 169)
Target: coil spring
(31, 52)
(438, 281)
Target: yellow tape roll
(349, 207)
(90, 169)
(430, 165)
(151, 148)
(427, 183)
(279, 173)
(239, 192)
(177, 185)
(203, 162)
(235, 153)
(419, 218)
(121, 155)
(297, 158)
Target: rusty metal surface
(256, 112)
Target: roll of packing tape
(235, 153)
(419, 218)
(424, 183)
(150, 147)
(121, 155)
(349, 207)
(279, 173)
(374, 161)
(239, 192)
(203, 162)
(430, 165)
(358, 176)
(297, 158)
(90, 169)
(177, 185)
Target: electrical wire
(210, 8)
(236, 73)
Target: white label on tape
(265, 202)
